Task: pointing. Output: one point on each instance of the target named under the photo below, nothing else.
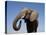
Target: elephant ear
(34, 16)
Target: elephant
(30, 16)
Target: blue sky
(13, 8)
